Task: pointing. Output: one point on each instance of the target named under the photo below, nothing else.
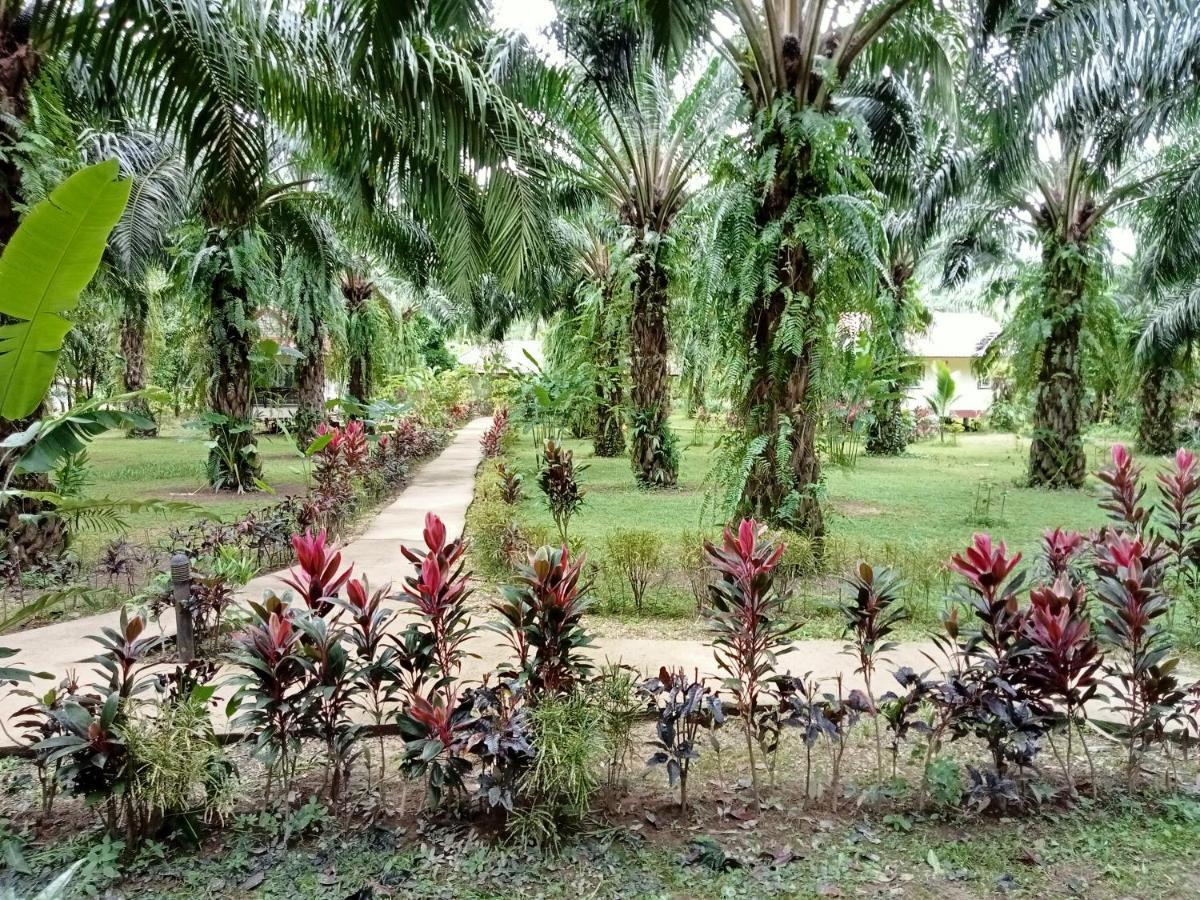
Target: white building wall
(973, 398)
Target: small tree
(942, 400)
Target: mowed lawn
(932, 497)
(171, 467)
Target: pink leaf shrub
(316, 578)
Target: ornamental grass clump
(747, 621)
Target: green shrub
(635, 555)
(178, 771)
(614, 693)
(557, 790)
(488, 524)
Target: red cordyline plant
(493, 438)
(438, 593)
(1129, 586)
(992, 597)
(437, 729)
(1124, 492)
(746, 619)
(316, 578)
(376, 674)
(541, 619)
(1059, 549)
(1065, 658)
(269, 701)
(871, 613)
(1179, 509)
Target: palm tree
(1124, 79)
(599, 322)
(158, 203)
(800, 234)
(643, 148)
(392, 99)
(923, 167)
(1164, 348)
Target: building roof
(956, 334)
(503, 355)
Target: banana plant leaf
(46, 442)
(46, 265)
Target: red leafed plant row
(1030, 651)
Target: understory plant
(683, 707)
(493, 439)
(510, 483)
(872, 612)
(747, 621)
(435, 721)
(269, 701)
(636, 554)
(559, 481)
(316, 578)
(541, 616)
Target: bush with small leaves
(636, 554)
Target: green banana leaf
(46, 265)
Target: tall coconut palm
(1124, 80)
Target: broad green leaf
(47, 263)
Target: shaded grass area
(927, 496)
(171, 467)
(1144, 848)
(911, 513)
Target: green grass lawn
(171, 467)
(910, 513)
(928, 497)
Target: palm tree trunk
(652, 450)
(133, 349)
(233, 460)
(609, 440)
(1156, 423)
(888, 436)
(357, 291)
(310, 389)
(1056, 458)
(781, 487)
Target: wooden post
(181, 582)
